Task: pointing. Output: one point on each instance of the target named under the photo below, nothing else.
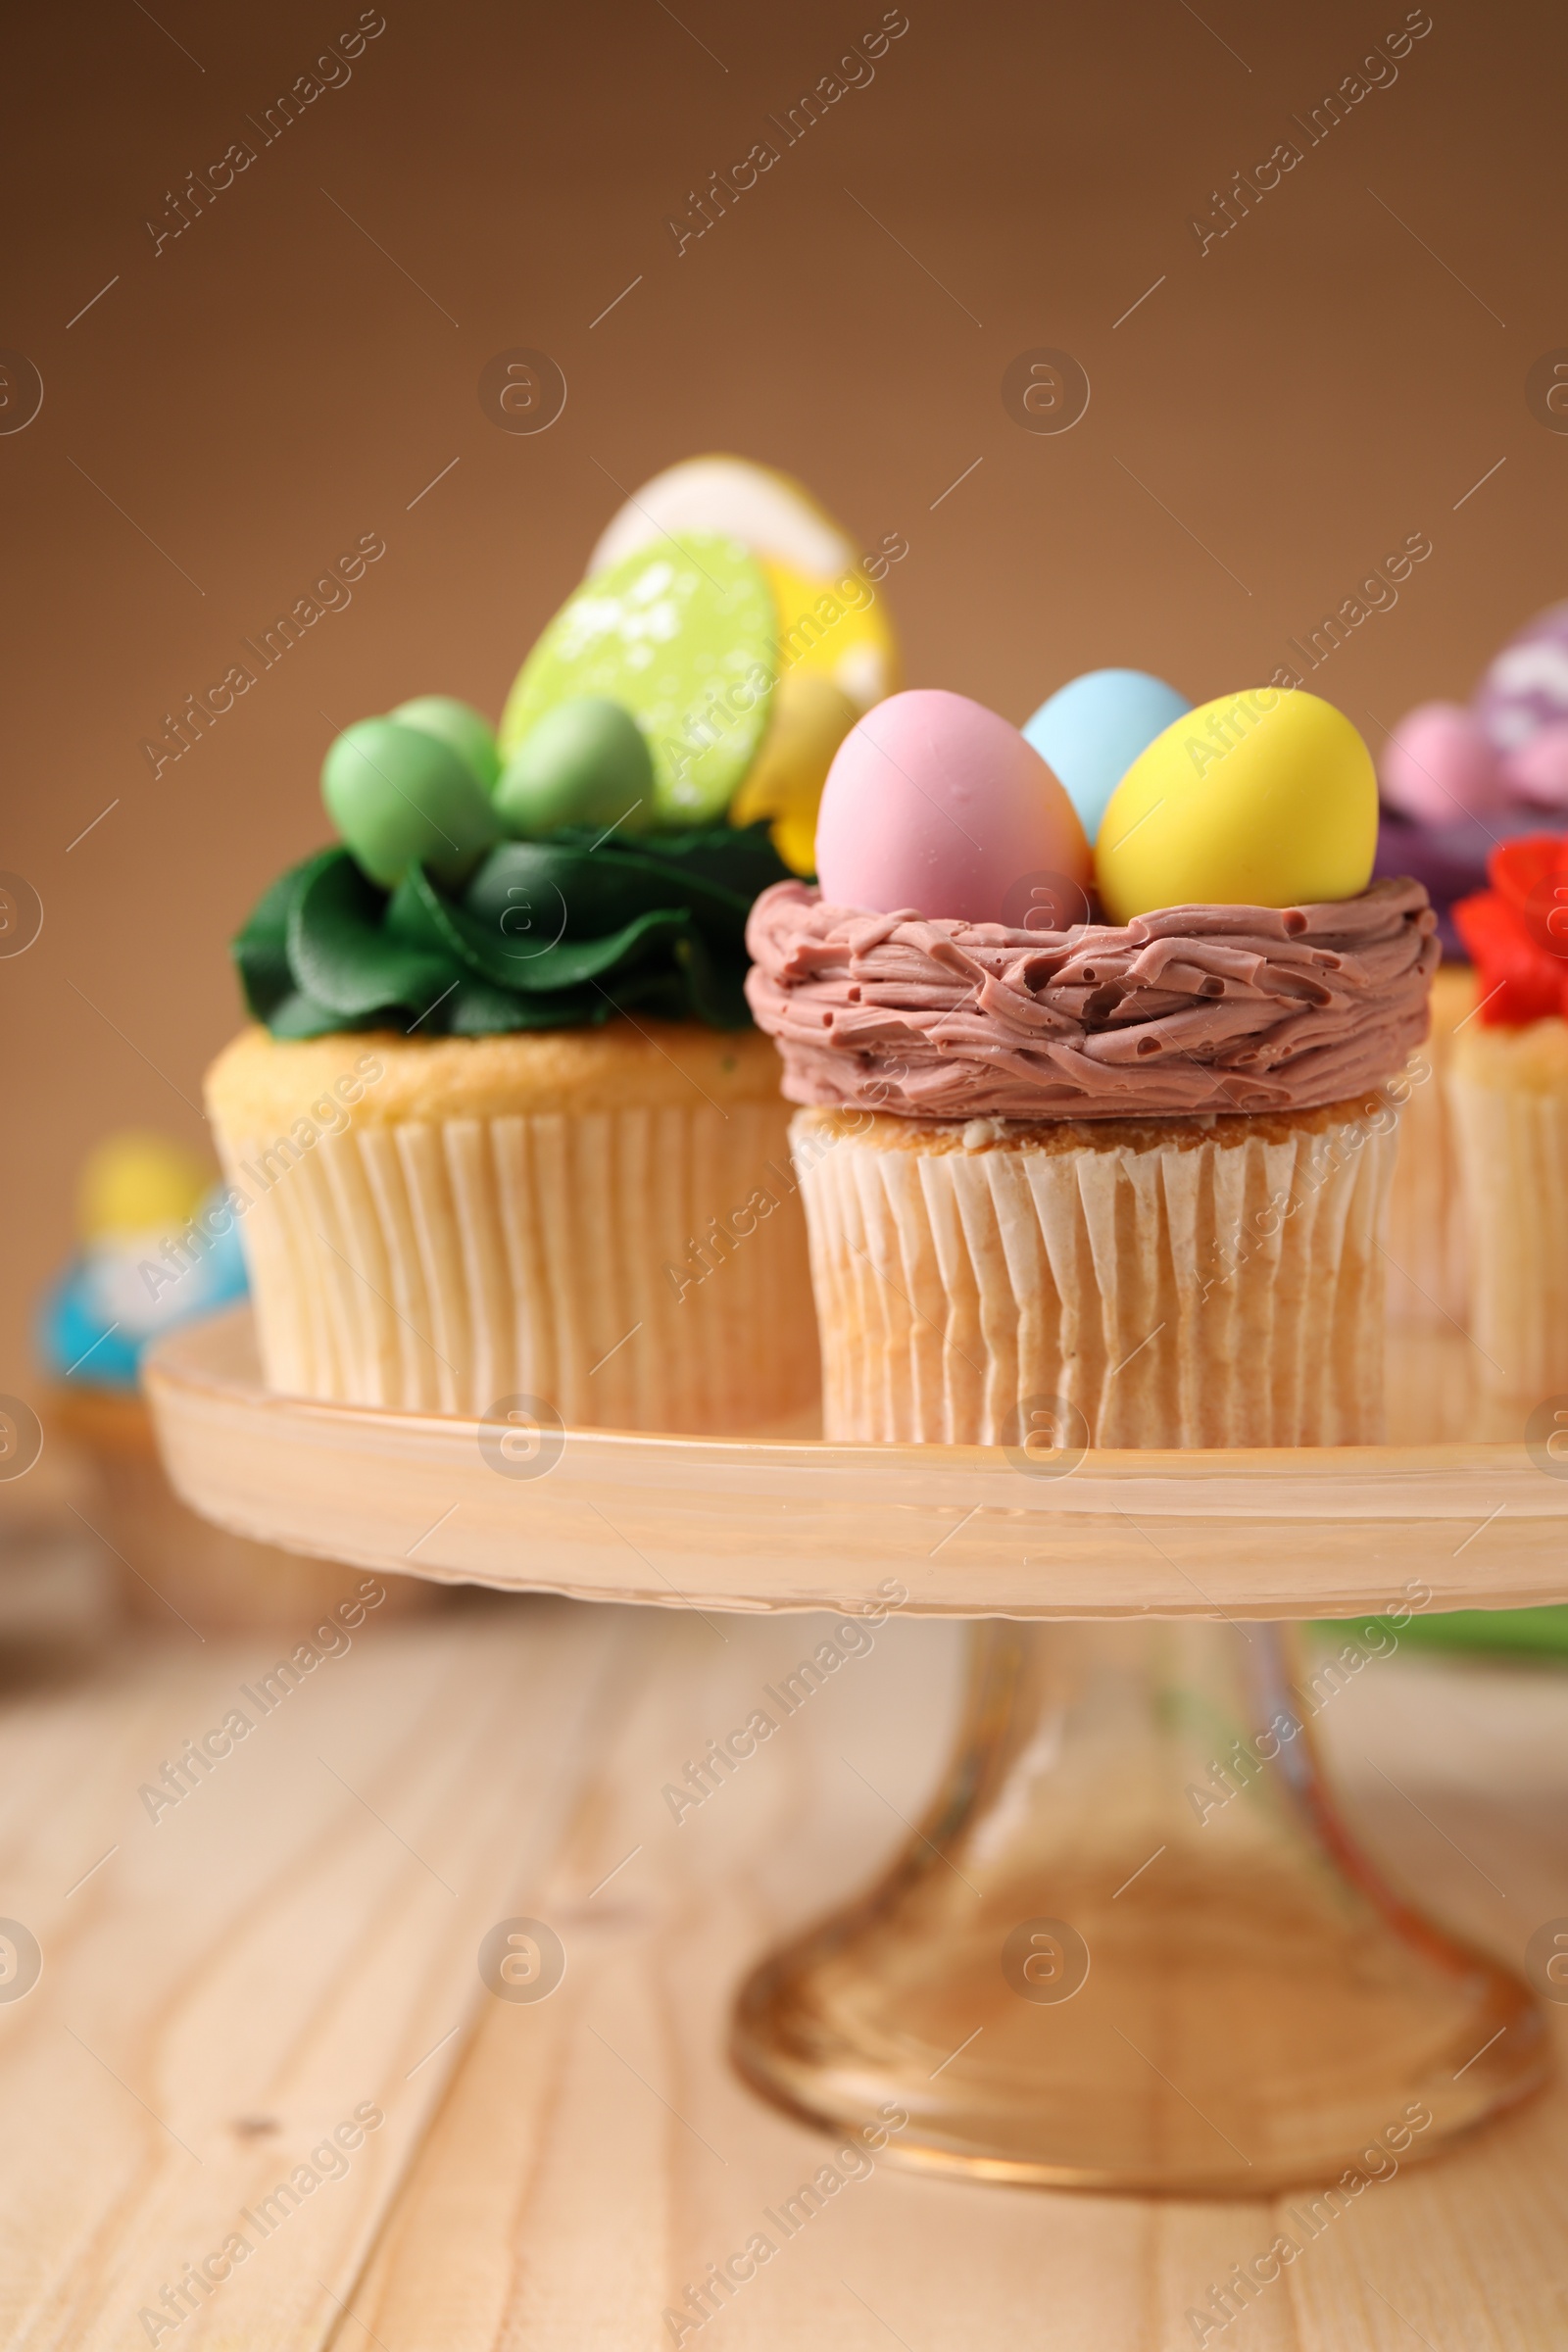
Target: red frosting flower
(1517, 931)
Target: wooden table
(295, 1941)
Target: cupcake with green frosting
(501, 1138)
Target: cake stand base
(1130, 1946)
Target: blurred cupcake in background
(554, 1166)
(1508, 1098)
(136, 1192)
(139, 1272)
(1456, 782)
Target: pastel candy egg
(1262, 799)
(832, 618)
(936, 803)
(1526, 687)
(685, 635)
(1091, 730)
(836, 628)
(458, 726)
(728, 497)
(586, 762)
(1439, 768)
(811, 719)
(399, 798)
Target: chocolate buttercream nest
(1187, 1011)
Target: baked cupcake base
(1508, 1101)
(1160, 1281)
(1428, 1252)
(602, 1219)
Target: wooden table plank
(281, 1947)
(593, 2156)
(558, 2172)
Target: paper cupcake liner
(1429, 1280)
(1513, 1154)
(1224, 1287)
(641, 1268)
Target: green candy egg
(586, 763)
(400, 798)
(684, 634)
(458, 726)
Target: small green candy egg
(586, 763)
(399, 796)
(458, 726)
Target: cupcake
(533, 1148)
(1508, 1101)
(1119, 1172)
(135, 1275)
(1458, 781)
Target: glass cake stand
(1131, 1945)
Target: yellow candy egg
(1262, 798)
(835, 628)
(811, 719)
(136, 1182)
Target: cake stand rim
(216, 1422)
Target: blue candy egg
(1091, 730)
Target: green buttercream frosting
(553, 934)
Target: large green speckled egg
(684, 635)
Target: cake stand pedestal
(1130, 1946)
(1133, 1947)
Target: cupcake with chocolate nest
(1120, 1167)
(503, 1128)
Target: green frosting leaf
(546, 935)
(340, 953)
(261, 951)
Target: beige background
(240, 406)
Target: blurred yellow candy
(811, 719)
(1262, 799)
(837, 629)
(136, 1182)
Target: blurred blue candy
(95, 1321)
(1091, 730)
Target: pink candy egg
(936, 803)
(1439, 768)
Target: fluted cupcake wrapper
(642, 1268)
(1512, 1145)
(1224, 1287)
(1428, 1282)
